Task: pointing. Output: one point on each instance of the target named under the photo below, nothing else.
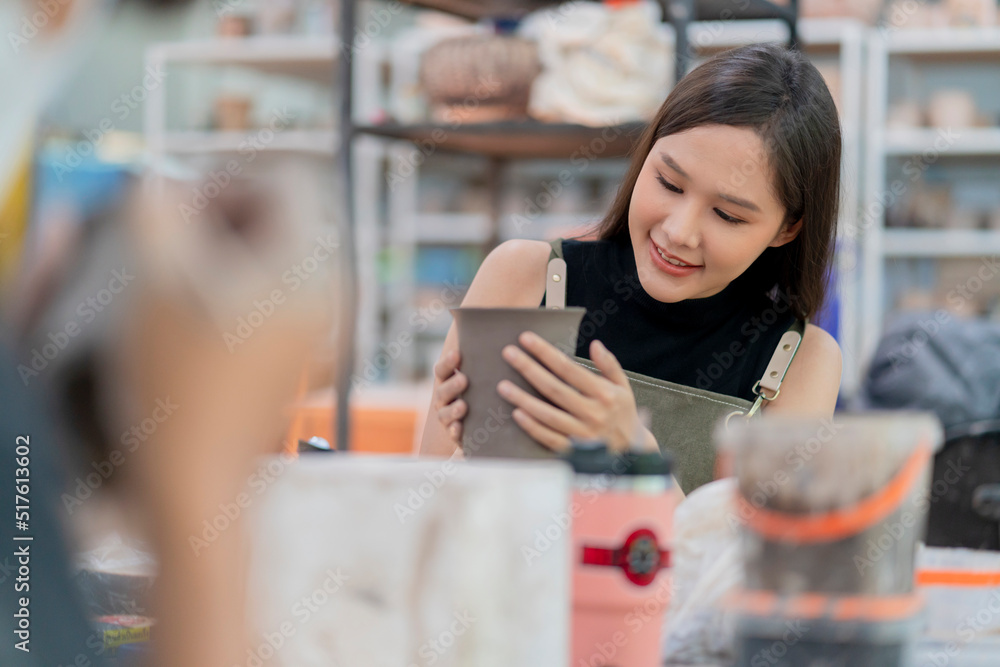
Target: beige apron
(682, 417)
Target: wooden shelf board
(476, 10)
(706, 10)
(518, 139)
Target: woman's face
(704, 199)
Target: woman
(718, 244)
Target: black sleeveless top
(721, 343)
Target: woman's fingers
(453, 412)
(547, 384)
(450, 385)
(607, 363)
(447, 365)
(542, 412)
(449, 390)
(541, 433)
(560, 364)
(451, 417)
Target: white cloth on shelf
(602, 66)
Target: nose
(682, 227)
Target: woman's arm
(511, 276)
(813, 380)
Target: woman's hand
(450, 409)
(586, 405)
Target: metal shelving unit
(840, 41)
(916, 49)
(322, 142)
(307, 58)
(312, 59)
(694, 35)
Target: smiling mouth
(672, 260)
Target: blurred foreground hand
(223, 323)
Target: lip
(666, 266)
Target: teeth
(670, 259)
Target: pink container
(622, 526)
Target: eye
(668, 185)
(729, 218)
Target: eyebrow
(738, 201)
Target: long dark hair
(781, 96)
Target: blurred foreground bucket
(832, 513)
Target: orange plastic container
(378, 426)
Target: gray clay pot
(489, 429)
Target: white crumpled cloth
(707, 567)
(601, 66)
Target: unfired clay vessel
(489, 429)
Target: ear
(787, 234)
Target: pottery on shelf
(479, 79)
(232, 113)
(952, 108)
(489, 429)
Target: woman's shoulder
(813, 380)
(821, 349)
(512, 275)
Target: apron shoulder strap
(555, 278)
(769, 386)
